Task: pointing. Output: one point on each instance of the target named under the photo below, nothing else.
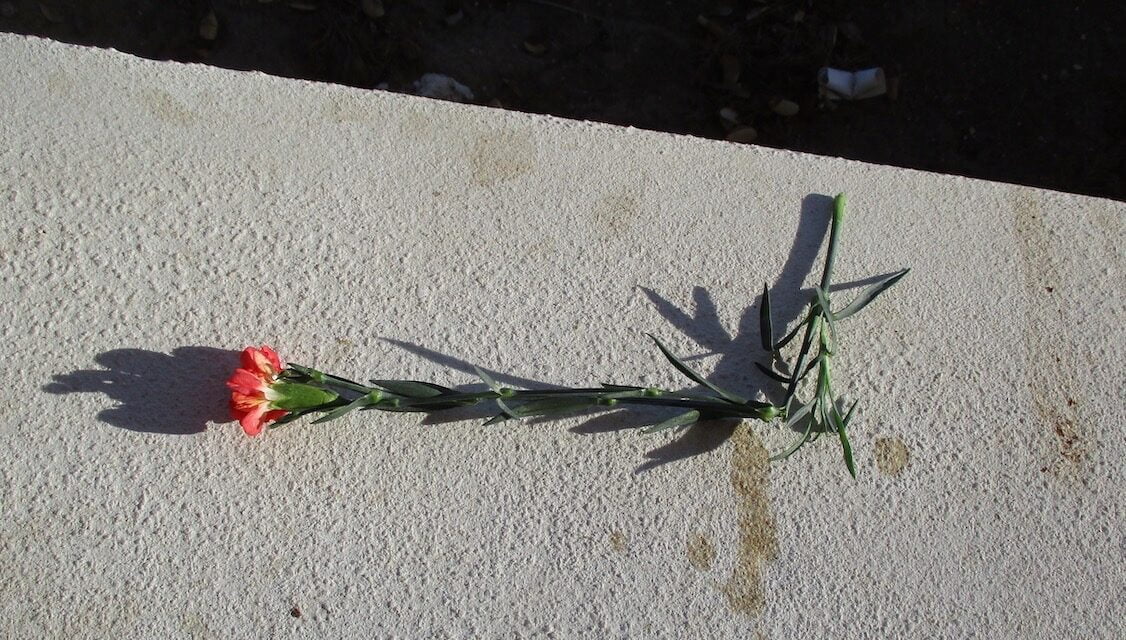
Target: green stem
(758, 410)
(834, 238)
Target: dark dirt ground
(1017, 91)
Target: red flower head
(259, 395)
(252, 393)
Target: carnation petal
(245, 382)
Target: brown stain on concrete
(341, 109)
(757, 538)
(892, 455)
(163, 106)
(618, 541)
(1051, 373)
(615, 212)
(541, 249)
(701, 551)
(501, 156)
(59, 84)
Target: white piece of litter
(852, 85)
(442, 87)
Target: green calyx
(294, 396)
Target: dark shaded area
(1032, 93)
(177, 393)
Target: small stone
(209, 26)
(535, 46)
(732, 68)
(744, 135)
(373, 9)
(50, 13)
(783, 107)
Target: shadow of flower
(176, 393)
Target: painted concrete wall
(159, 217)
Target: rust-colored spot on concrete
(618, 541)
(614, 213)
(162, 105)
(1051, 374)
(501, 157)
(701, 551)
(757, 537)
(891, 455)
(59, 84)
(342, 108)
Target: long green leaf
(823, 302)
(412, 388)
(340, 411)
(869, 294)
(793, 332)
(692, 375)
(327, 379)
(803, 355)
(493, 384)
(839, 424)
(680, 420)
(796, 444)
(554, 406)
(287, 418)
(846, 449)
(771, 373)
(765, 323)
(506, 413)
(793, 418)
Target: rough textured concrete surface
(158, 217)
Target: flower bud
(768, 413)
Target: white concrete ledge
(158, 217)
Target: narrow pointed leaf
(493, 384)
(327, 379)
(412, 388)
(340, 411)
(627, 393)
(422, 405)
(869, 294)
(692, 375)
(681, 420)
(823, 302)
(553, 406)
(287, 418)
(793, 419)
(796, 444)
(803, 355)
(846, 449)
(506, 413)
(765, 323)
(793, 333)
(771, 373)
